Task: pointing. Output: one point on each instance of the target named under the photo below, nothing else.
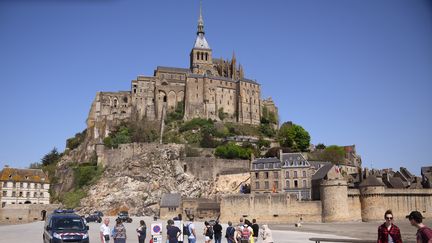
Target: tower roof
(200, 41)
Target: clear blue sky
(349, 72)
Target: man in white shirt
(105, 231)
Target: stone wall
(269, 208)
(354, 205)
(204, 168)
(403, 201)
(25, 213)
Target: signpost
(156, 232)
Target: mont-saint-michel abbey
(209, 86)
(201, 141)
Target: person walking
(119, 232)
(266, 234)
(141, 232)
(105, 231)
(173, 232)
(229, 233)
(191, 228)
(217, 230)
(389, 232)
(424, 233)
(255, 228)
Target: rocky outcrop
(137, 182)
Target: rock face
(137, 182)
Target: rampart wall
(25, 213)
(269, 208)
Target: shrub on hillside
(233, 151)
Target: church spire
(200, 22)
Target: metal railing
(318, 240)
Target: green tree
(334, 154)
(294, 137)
(51, 158)
(320, 146)
(233, 151)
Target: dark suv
(65, 226)
(124, 217)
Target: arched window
(115, 103)
(206, 56)
(304, 173)
(202, 55)
(198, 55)
(287, 184)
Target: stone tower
(372, 199)
(201, 55)
(334, 200)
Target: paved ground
(358, 230)
(32, 233)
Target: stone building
(209, 88)
(170, 205)
(426, 173)
(24, 186)
(265, 175)
(297, 172)
(290, 173)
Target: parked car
(93, 218)
(124, 217)
(99, 213)
(65, 226)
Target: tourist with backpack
(229, 233)
(190, 231)
(208, 232)
(246, 233)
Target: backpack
(209, 232)
(186, 230)
(230, 233)
(245, 233)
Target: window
(266, 175)
(4, 193)
(304, 184)
(5, 184)
(287, 174)
(266, 185)
(295, 183)
(276, 184)
(295, 174)
(257, 175)
(28, 194)
(257, 185)
(275, 175)
(41, 194)
(20, 194)
(287, 183)
(13, 194)
(35, 194)
(304, 173)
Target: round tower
(372, 199)
(334, 200)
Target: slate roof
(322, 172)
(173, 69)
(294, 159)
(371, 181)
(23, 175)
(266, 160)
(404, 171)
(248, 81)
(318, 164)
(396, 182)
(170, 200)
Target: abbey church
(208, 88)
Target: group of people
(388, 232)
(118, 233)
(244, 232)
